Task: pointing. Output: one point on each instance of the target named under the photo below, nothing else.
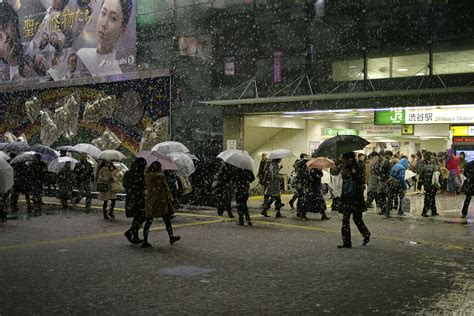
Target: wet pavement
(70, 262)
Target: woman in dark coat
(313, 200)
(134, 184)
(158, 202)
(242, 179)
(352, 200)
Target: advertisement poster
(55, 40)
(130, 114)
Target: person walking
(397, 193)
(105, 180)
(352, 200)
(158, 202)
(468, 187)
(84, 173)
(38, 169)
(65, 184)
(453, 185)
(430, 166)
(373, 185)
(298, 183)
(273, 189)
(223, 187)
(382, 171)
(134, 184)
(242, 179)
(21, 185)
(313, 197)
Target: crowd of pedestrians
(354, 184)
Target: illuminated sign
(462, 130)
(56, 40)
(408, 129)
(340, 131)
(463, 139)
(424, 116)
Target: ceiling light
(352, 66)
(337, 120)
(308, 117)
(402, 69)
(287, 116)
(357, 122)
(361, 116)
(470, 65)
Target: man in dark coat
(84, 175)
(242, 179)
(468, 187)
(352, 200)
(134, 184)
(222, 186)
(38, 170)
(21, 185)
(299, 181)
(382, 171)
(430, 165)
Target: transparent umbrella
(6, 176)
(184, 162)
(238, 158)
(58, 164)
(280, 154)
(4, 155)
(170, 147)
(44, 150)
(111, 155)
(152, 156)
(14, 147)
(89, 149)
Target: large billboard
(56, 40)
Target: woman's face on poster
(110, 23)
(72, 63)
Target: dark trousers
(394, 201)
(465, 207)
(14, 200)
(346, 227)
(149, 221)
(3, 215)
(112, 205)
(371, 196)
(269, 199)
(224, 202)
(242, 208)
(383, 202)
(430, 201)
(84, 190)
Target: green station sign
(340, 131)
(392, 117)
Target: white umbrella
(58, 164)
(6, 176)
(184, 162)
(238, 158)
(409, 174)
(170, 147)
(280, 154)
(111, 155)
(4, 155)
(89, 149)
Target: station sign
(463, 139)
(340, 131)
(377, 130)
(462, 130)
(424, 116)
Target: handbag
(103, 187)
(435, 180)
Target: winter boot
(174, 239)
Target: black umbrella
(340, 144)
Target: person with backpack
(430, 184)
(468, 187)
(298, 182)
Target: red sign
(463, 139)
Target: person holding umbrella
(222, 186)
(65, 184)
(134, 184)
(38, 171)
(106, 177)
(21, 185)
(313, 198)
(158, 202)
(242, 179)
(272, 190)
(84, 175)
(352, 200)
